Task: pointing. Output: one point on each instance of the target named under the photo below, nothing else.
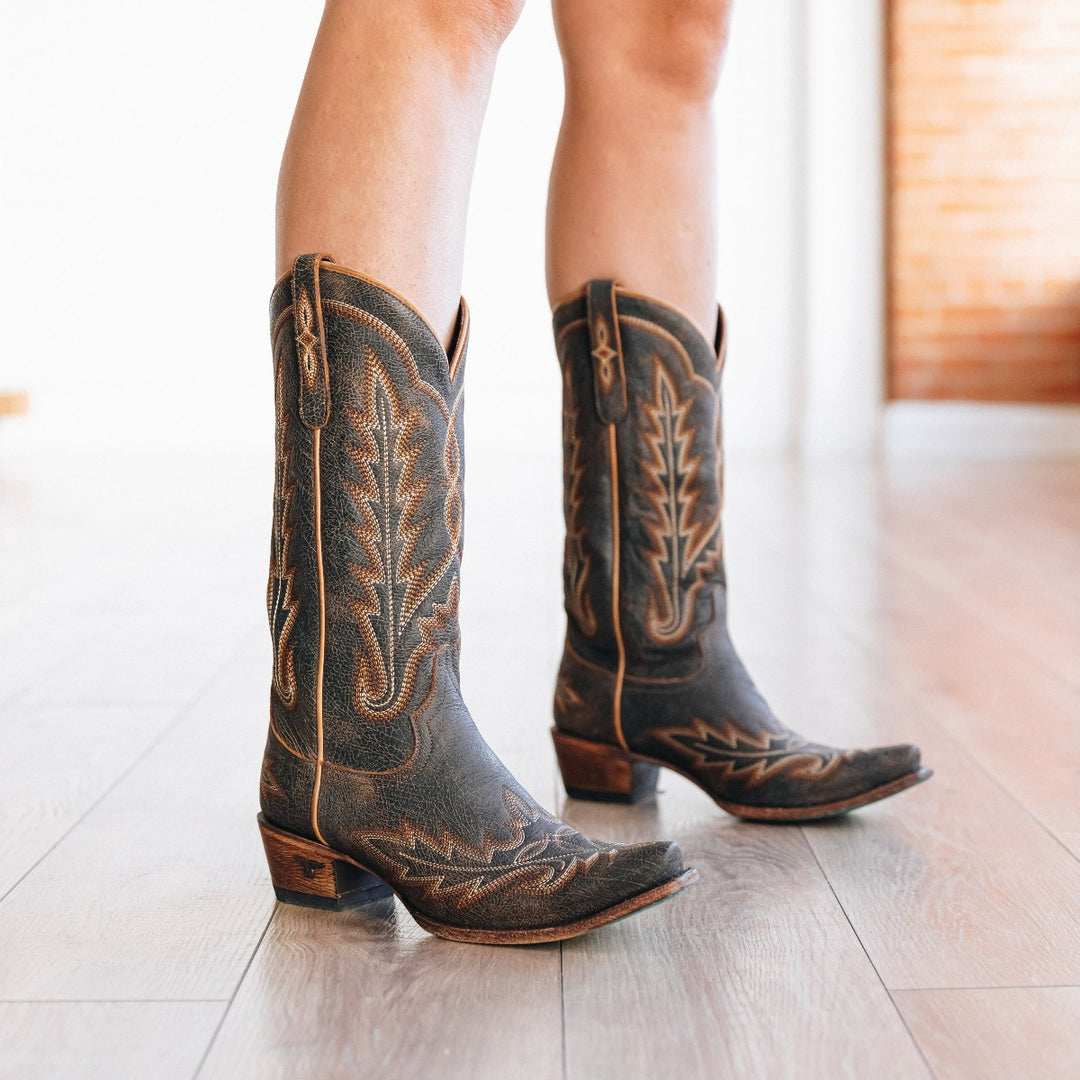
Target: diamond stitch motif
(603, 352)
(307, 339)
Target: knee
(672, 45)
(467, 32)
(469, 27)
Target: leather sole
(602, 773)
(309, 874)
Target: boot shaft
(642, 479)
(368, 516)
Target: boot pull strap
(310, 340)
(605, 347)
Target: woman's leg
(649, 675)
(379, 160)
(374, 776)
(632, 186)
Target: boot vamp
(717, 728)
(464, 844)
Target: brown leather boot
(375, 777)
(649, 676)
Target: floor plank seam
(995, 986)
(113, 1001)
(232, 998)
(869, 960)
(562, 1011)
(18, 697)
(183, 712)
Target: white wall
(140, 148)
(140, 152)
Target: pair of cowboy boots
(375, 779)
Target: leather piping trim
(337, 268)
(719, 337)
(398, 344)
(277, 735)
(681, 312)
(664, 334)
(322, 641)
(280, 322)
(570, 326)
(616, 701)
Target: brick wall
(984, 143)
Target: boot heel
(600, 772)
(306, 873)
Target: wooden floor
(934, 935)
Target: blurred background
(900, 223)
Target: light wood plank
(1029, 1033)
(56, 763)
(949, 649)
(954, 883)
(161, 891)
(512, 622)
(35, 641)
(133, 575)
(153, 659)
(1028, 512)
(753, 972)
(1026, 588)
(369, 992)
(128, 1040)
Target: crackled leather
(371, 750)
(648, 664)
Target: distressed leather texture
(643, 493)
(368, 500)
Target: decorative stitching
(397, 343)
(454, 509)
(665, 335)
(729, 752)
(576, 558)
(307, 340)
(603, 353)
(446, 866)
(568, 702)
(282, 607)
(287, 745)
(678, 537)
(393, 503)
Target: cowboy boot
(374, 777)
(649, 675)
